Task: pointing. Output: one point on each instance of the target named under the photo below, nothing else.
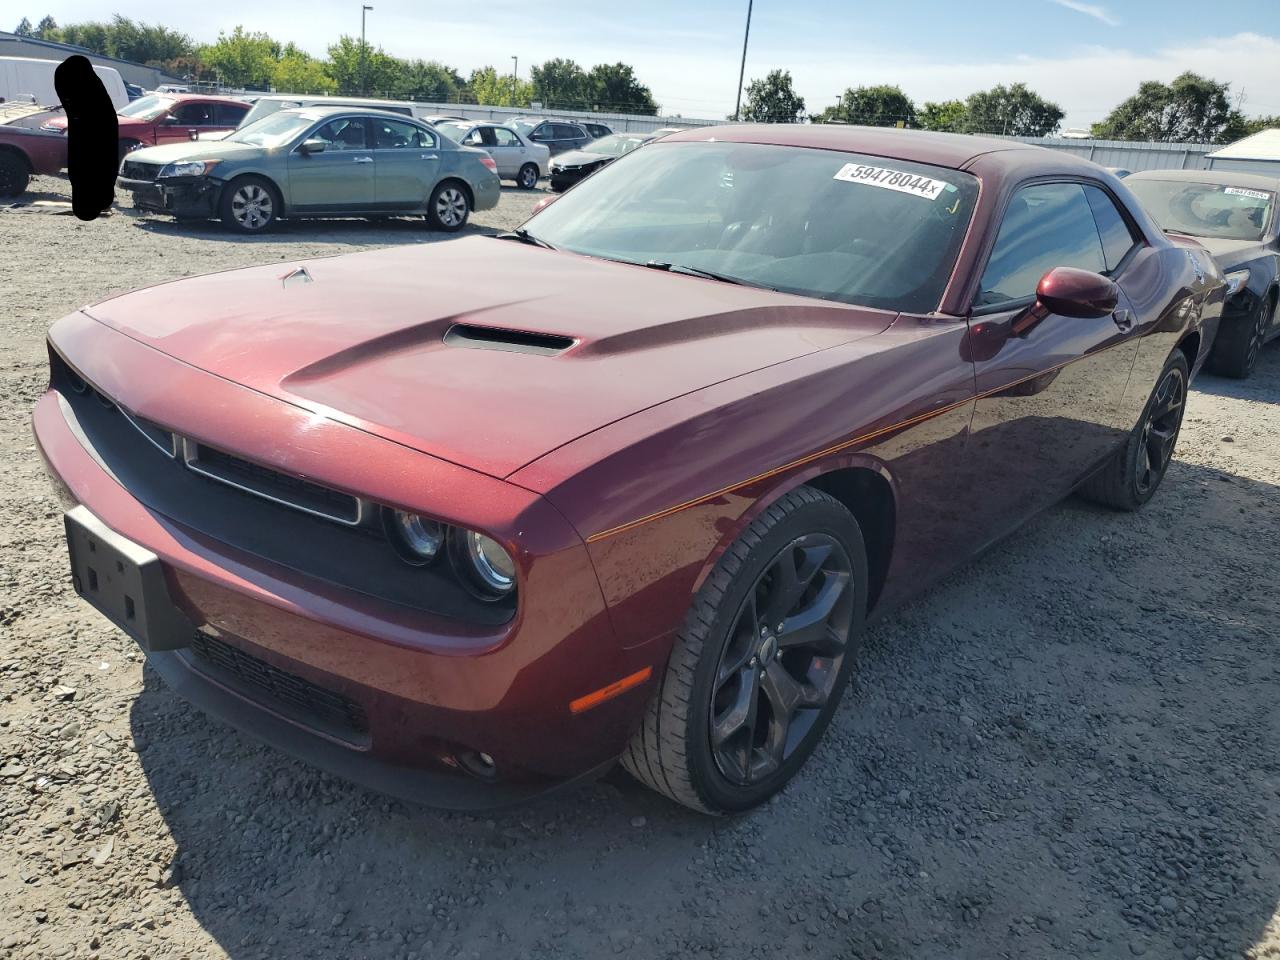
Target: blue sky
(1086, 56)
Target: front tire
(249, 204)
(449, 207)
(14, 175)
(527, 178)
(1235, 352)
(761, 661)
(1133, 475)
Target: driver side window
(1046, 225)
(345, 133)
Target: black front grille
(323, 708)
(137, 170)
(284, 489)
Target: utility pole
(364, 54)
(515, 79)
(737, 110)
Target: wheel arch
(863, 484)
(11, 150)
(1190, 347)
(466, 188)
(272, 182)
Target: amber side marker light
(611, 691)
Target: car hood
(196, 150)
(580, 158)
(361, 339)
(1228, 253)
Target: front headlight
(187, 168)
(484, 562)
(416, 539)
(1236, 280)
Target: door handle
(362, 160)
(430, 156)
(1123, 319)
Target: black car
(596, 130)
(568, 168)
(1234, 215)
(558, 136)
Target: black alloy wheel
(782, 658)
(1160, 430)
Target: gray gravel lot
(1067, 749)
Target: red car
(734, 395)
(170, 118)
(25, 153)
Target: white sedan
(518, 159)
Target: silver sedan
(518, 159)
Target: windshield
(274, 130)
(454, 131)
(522, 126)
(1209, 210)
(841, 226)
(265, 108)
(613, 145)
(146, 108)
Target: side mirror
(314, 145)
(169, 121)
(1072, 292)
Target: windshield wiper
(524, 236)
(699, 272)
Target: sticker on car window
(911, 183)
(1242, 192)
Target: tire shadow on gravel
(1066, 749)
(1261, 384)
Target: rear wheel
(249, 205)
(527, 178)
(761, 662)
(449, 207)
(1133, 475)
(14, 175)
(1235, 352)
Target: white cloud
(1089, 10)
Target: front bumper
(434, 692)
(179, 196)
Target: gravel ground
(1066, 749)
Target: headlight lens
(1236, 281)
(187, 168)
(416, 539)
(487, 563)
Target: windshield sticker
(917, 186)
(1242, 192)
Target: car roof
(1225, 178)
(954, 150)
(317, 112)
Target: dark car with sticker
(570, 167)
(1235, 216)
(466, 541)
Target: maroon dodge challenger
(469, 520)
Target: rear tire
(723, 732)
(249, 204)
(527, 178)
(449, 207)
(14, 175)
(1133, 475)
(1235, 351)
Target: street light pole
(364, 54)
(515, 79)
(737, 110)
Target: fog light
(416, 539)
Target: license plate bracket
(125, 582)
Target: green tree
(242, 59)
(23, 29)
(559, 84)
(298, 72)
(614, 87)
(1191, 109)
(126, 39)
(949, 116)
(375, 71)
(426, 80)
(1014, 110)
(47, 28)
(879, 106)
(773, 100)
(487, 86)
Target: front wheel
(1235, 352)
(14, 176)
(1133, 475)
(448, 208)
(248, 205)
(761, 662)
(527, 178)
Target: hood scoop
(473, 337)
